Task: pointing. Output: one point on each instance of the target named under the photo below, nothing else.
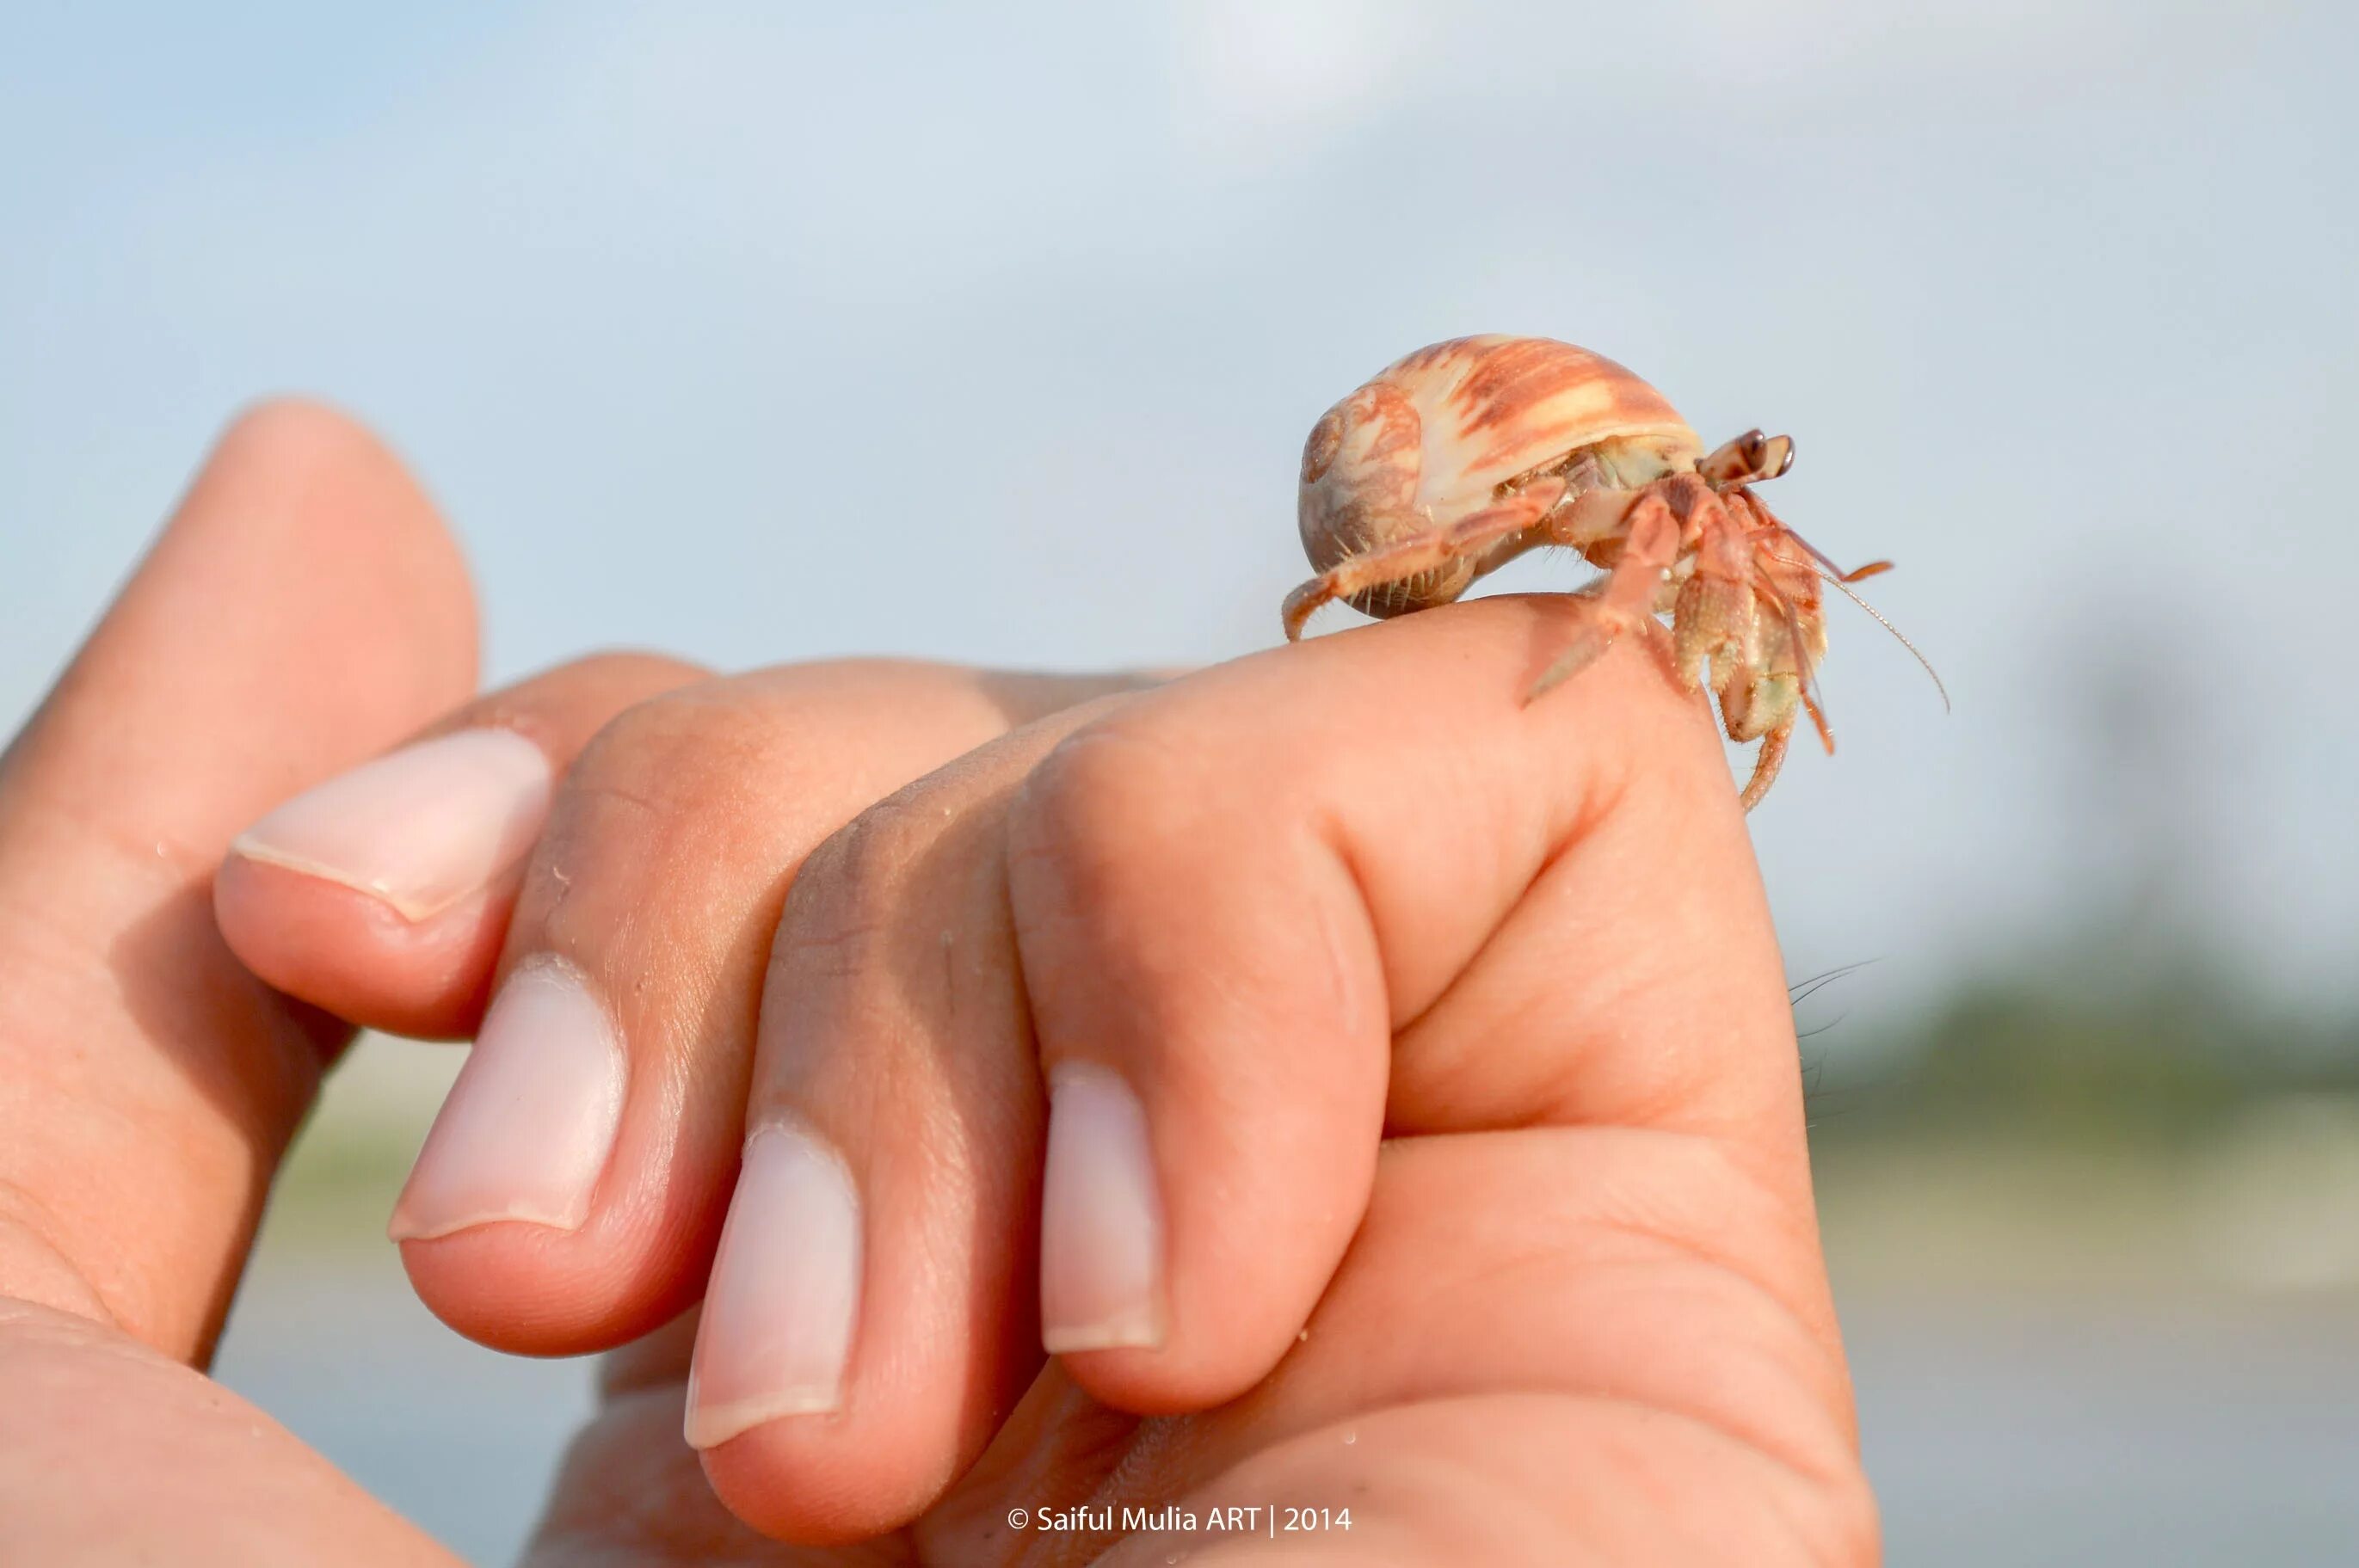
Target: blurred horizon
(757, 337)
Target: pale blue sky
(759, 332)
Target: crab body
(1454, 460)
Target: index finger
(1406, 848)
(1361, 887)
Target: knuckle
(659, 754)
(544, 707)
(1106, 848)
(1105, 819)
(847, 895)
(666, 797)
(634, 667)
(876, 848)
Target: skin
(1460, 1027)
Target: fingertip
(293, 433)
(1173, 1285)
(535, 1219)
(294, 423)
(531, 1289)
(383, 894)
(288, 462)
(1101, 1226)
(794, 1479)
(1225, 1338)
(352, 955)
(816, 1395)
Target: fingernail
(776, 1330)
(1100, 1223)
(527, 1129)
(421, 828)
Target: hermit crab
(1464, 455)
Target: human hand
(304, 611)
(1425, 1140)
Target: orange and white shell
(1436, 434)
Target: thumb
(303, 610)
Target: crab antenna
(1833, 572)
(1845, 590)
(1842, 581)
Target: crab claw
(1718, 620)
(1725, 634)
(1708, 623)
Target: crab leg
(1627, 601)
(1765, 764)
(1722, 615)
(1421, 553)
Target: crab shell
(1436, 435)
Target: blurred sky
(762, 333)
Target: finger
(871, 1315)
(302, 610)
(1226, 896)
(383, 895)
(1232, 895)
(569, 1193)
